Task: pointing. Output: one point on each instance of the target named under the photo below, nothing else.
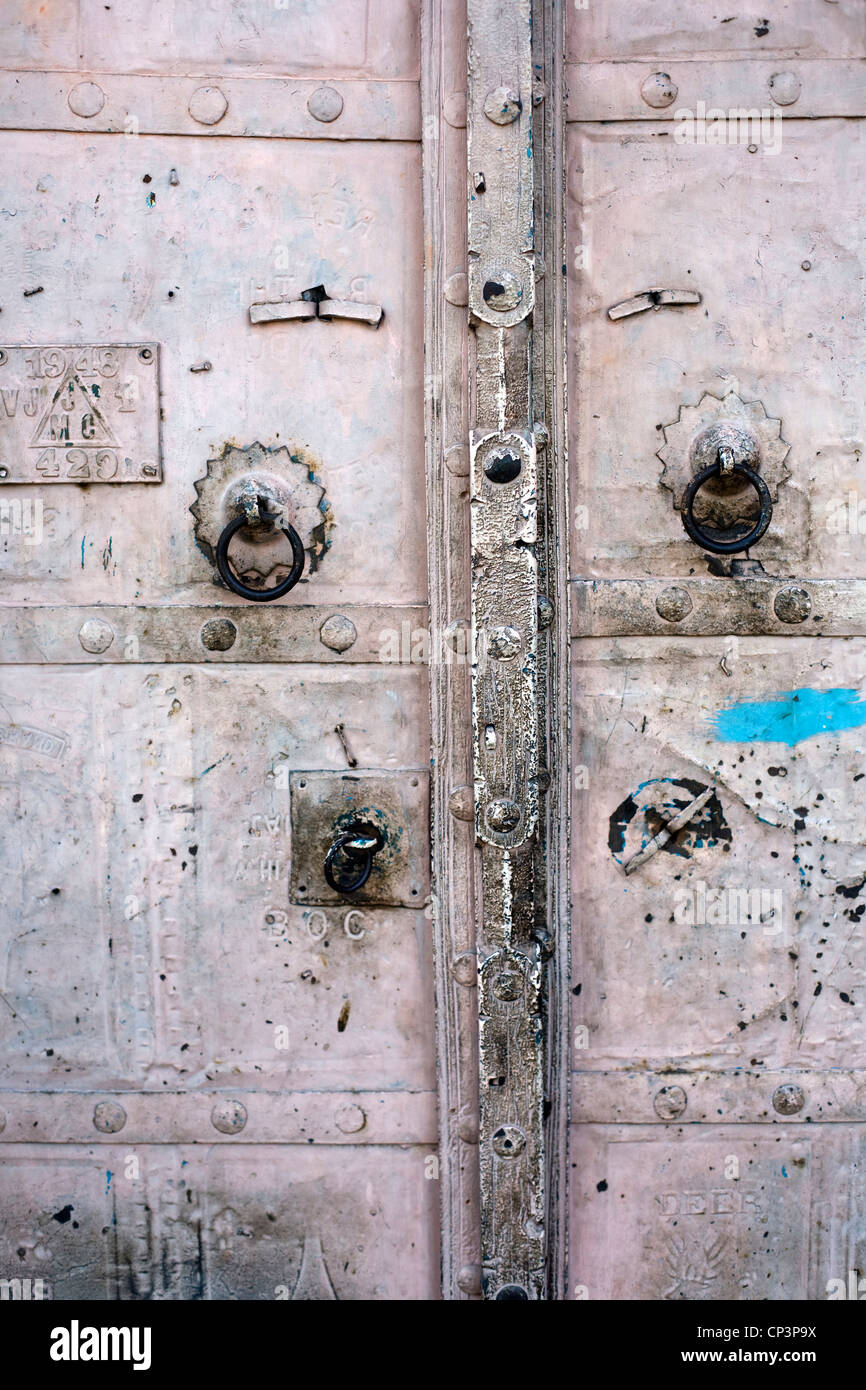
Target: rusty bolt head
(218, 634)
(503, 643)
(785, 87)
(338, 633)
(788, 1099)
(659, 89)
(509, 1141)
(673, 604)
(502, 290)
(670, 1102)
(502, 106)
(108, 1117)
(792, 605)
(95, 635)
(228, 1116)
(325, 104)
(503, 815)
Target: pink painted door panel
(717, 994)
(216, 1080)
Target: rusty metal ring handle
(708, 542)
(237, 585)
(359, 846)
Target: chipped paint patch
(791, 716)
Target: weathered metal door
(585, 293)
(715, 212)
(218, 1067)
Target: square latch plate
(323, 804)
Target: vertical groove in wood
(453, 848)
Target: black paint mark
(708, 828)
(63, 1215)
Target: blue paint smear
(791, 716)
(108, 1175)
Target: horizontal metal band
(721, 607)
(724, 1098)
(226, 633)
(162, 105)
(264, 1117)
(614, 91)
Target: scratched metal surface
(737, 948)
(123, 260)
(718, 984)
(207, 1090)
(780, 334)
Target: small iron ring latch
(725, 466)
(357, 846)
(237, 585)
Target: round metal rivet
(503, 815)
(469, 1279)
(86, 99)
(503, 643)
(805, 265)
(350, 1119)
(228, 1116)
(785, 87)
(456, 289)
(502, 106)
(670, 1102)
(502, 290)
(208, 105)
(457, 460)
(512, 1293)
(464, 968)
(788, 1099)
(509, 1141)
(454, 110)
(108, 1117)
(753, 149)
(507, 985)
(338, 633)
(545, 611)
(4, 358)
(659, 89)
(218, 634)
(467, 1129)
(95, 635)
(673, 604)
(792, 605)
(461, 803)
(4, 472)
(2, 1120)
(325, 104)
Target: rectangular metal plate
(80, 413)
(324, 802)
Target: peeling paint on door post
(503, 492)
